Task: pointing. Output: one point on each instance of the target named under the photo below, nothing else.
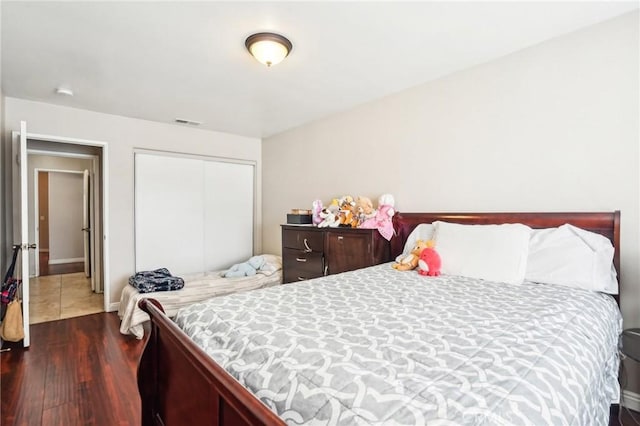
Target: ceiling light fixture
(268, 48)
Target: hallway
(55, 297)
(61, 268)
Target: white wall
(553, 127)
(65, 217)
(123, 135)
(47, 162)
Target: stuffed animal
(316, 209)
(429, 263)
(347, 213)
(407, 262)
(364, 210)
(245, 269)
(386, 203)
(383, 220)
(329, 217)
(347, 218)
(346, 202)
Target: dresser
(311, 252)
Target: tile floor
(55, 297)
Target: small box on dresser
(311, 252)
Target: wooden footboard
(181, 385)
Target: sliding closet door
(228, 225)
(192, 214)
(168, 213)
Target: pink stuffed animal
(429, 263)
(382, 220)
(317, 209)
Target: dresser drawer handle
(307, 249)
(298, 259)
(301, 279)
(340, 237)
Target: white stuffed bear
(245, 269)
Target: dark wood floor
(81, 371)
(62, 268)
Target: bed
(526, 354)
(197, 287)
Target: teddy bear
(245, 269)
(407, 262)
(364, 210)
(429, 262)
(383, 219)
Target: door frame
(104, 199)
(36, 206)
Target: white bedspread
(197, 287)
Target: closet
(192, 214)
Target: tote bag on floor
(12, 328)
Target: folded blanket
(157, 280)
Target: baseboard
(114, 306)
(631, 400)
(60, 261)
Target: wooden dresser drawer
(298, 265)
(303, 239)
(311, 252)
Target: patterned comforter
(379, 346)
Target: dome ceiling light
(268, 48)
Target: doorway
(25, 144)
(63, 285)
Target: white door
(24, 230)
(86, 227)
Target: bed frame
(181, 385)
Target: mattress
(197, 287)
(380, 346)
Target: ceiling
(165, 60)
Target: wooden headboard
(604, 223)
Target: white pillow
(424, 231)
(490, 252)
(573, 257)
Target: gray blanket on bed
(379, 346)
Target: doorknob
(86, 229)
(27, 246)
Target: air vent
(191, 122)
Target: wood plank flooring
(60, 268)
(79, 371)
(82, 371)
